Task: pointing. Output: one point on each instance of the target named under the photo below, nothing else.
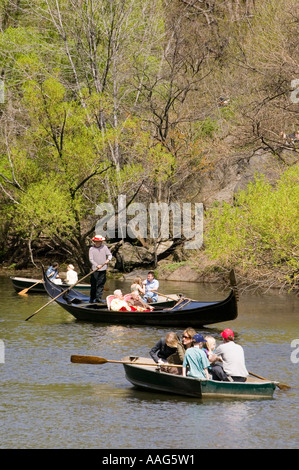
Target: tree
(125, 97)
(260, 231)
(77, 122)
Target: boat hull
(153, 379)
(20, 283)
(185, 314)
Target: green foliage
(103, 96)
(22, 54)
(162, 164)
(45, 209)
(26, 169)
(207, 128)
(173, 266)
(262, 226)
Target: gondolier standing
(99, 256)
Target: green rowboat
(153, 378)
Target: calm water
(47, 402)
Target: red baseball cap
(226, 333)
(98, 238)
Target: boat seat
(109, 299)
(95, 306)
(255, 380)
(73, 300)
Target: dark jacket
(161, 350)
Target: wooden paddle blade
(88, 359)
(283, 386)
(23, 292)
(278, 384)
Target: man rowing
(151, 287)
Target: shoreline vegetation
(204, 272)
(257, 235)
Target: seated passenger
(178, 356)
(138, 285)
(151, 286)
(119, 303)
(52, 271)
(196, 362)
(164, 348)
(71, 275)
(137, 302)
(187, 339)
(209, 349)
(233, 367)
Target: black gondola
(182, 313)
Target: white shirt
(71, 277)
(117, 304)
(232, 355)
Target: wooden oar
(163, 295)
(279, 385)
(24, 291)
(101, 360)
(63, 292)
(167, 296)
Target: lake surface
(49, 403)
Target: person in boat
(52, 271)
(183, 345)
(99, 257)
(119, 303)
(209, 349)
(195, 362)
(151, 286)
(71, 275)
(136, 301)
(164, 348)
(233, 366)
(178, 357)
(187, 339)
(138, 286)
